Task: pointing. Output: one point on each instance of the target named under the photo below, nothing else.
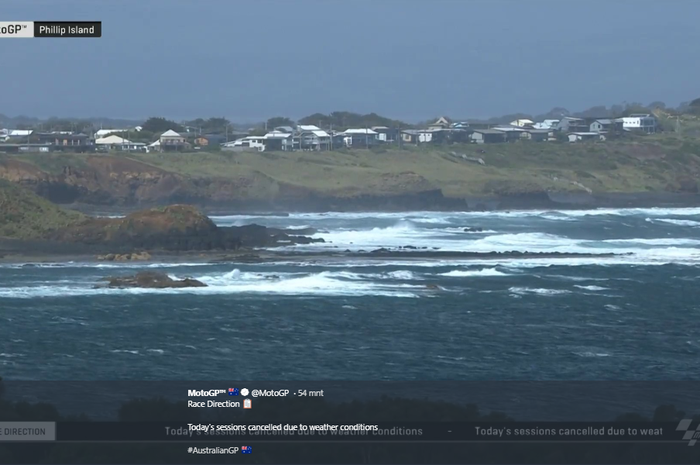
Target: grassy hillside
(668, 162)
(24, 215)
(652, 163)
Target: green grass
(611, 166)
(638, 164)
(24, 215)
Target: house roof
(321, 133)
(489, 131)
(113, 139)
(308, 127)
(277, 135)
(104, 132)
(360, 131)
(20, 132)
(509, 129)
(441, 121)
(603, 121)
(170, 133)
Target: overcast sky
(409, 59)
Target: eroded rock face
(152, 280)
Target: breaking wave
(474, 273)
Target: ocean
(630, 317)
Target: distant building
(310, 137)
(643, 123)
(278, 141)
(537, 135)
(360, 137)
(63, 140)
(585, 136)
(410, 136)
(487, 136)
(522, 123)
(209, 140)
(571, 124)
(105, 132)
(512, 133)
(546, 124)
(171, 140)
(385, 134)
(256, 143)
(114, 142)
(441, 123)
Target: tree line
(338, 120)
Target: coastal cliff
(29, 222)
(522, 175)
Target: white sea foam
(402, 274)
(236, 282)
(538, 291)
(310, 217)
(591, 288)
(474, 273)
(674, 221)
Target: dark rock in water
(410, 247)
(301, 232)
(432, 286)
(473, 229)
(305, 239)
(152, 280)
(382, 250)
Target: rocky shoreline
(425, 201)
(30, 256)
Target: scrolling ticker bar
(683, 432)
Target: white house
(115, 142)
(360, 137)
(643, 123)
(522, 123)
(310, 137)
(246, 143)
(546, 124)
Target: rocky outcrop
(125, 257)
(152, 280)
(173, 228)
